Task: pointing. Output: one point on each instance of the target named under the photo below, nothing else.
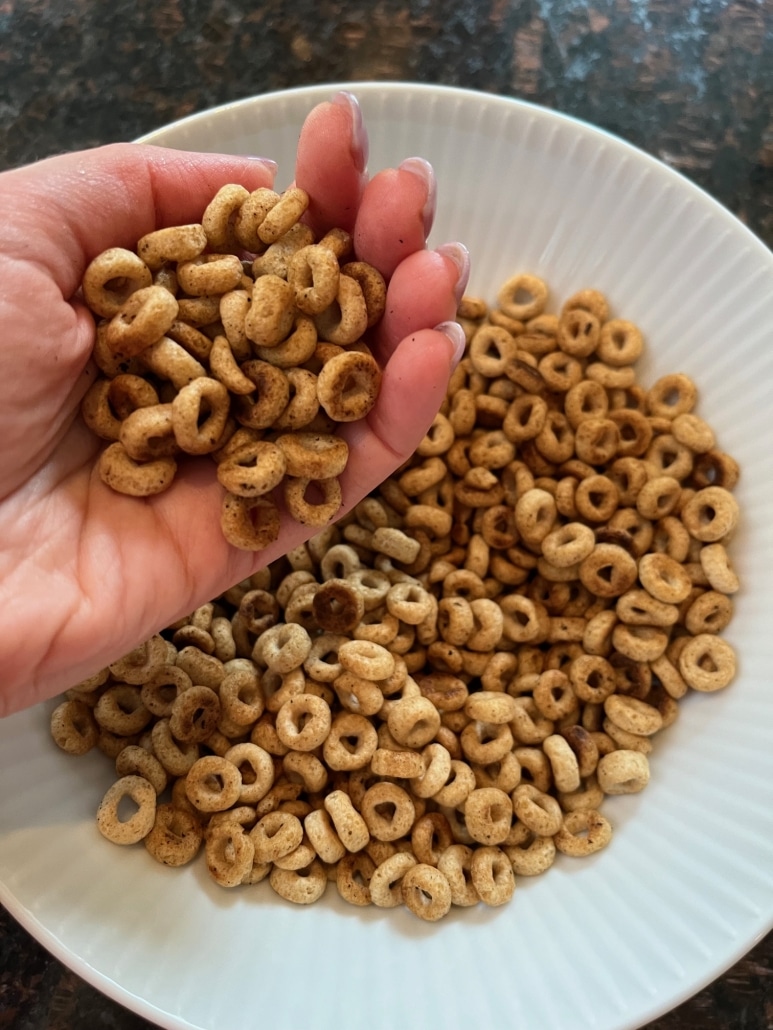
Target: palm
(87, 574)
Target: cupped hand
(87, 574)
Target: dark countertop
(689, 81)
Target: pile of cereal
(240, 338)
(435, 695)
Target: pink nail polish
(271, 166)
(455, 334)
(461, 258)
(425, 171)
(359, 132)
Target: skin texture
(86, 574)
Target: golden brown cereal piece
(252, 470)
(345, 321)
(229, 854)
(583, 833)
(175, 837)
(219, 218)
(125, 475)
(249, 523)
(271, 314)
(132, 829)
(111, 278)
(492, 875)
(373, 287)
(348, 385)
(426, 892)
(523, 297)
(73, 727)
(175, 244)
(283, 215)
(301, 886)
(199, 415)
(312, 502)
(143, 318)
(313, 273)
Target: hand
(87, 574)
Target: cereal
(437, 694)
(236, 346)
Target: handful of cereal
(252, 360)
(435, 695)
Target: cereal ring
(271, 314)
(213, 784)
(578, 332)
(583, 833)
(608, 571)
(136, 826)
(348, 385)
(170, 360)
(313, 273)
(312, 512)
(147, 434)
(303, 405)
(74, 727)
(388, 811)
(620, 342)
(111, 278)
(272, 394)
(253, 470)
(283, 215)
(275, 835)
(144, 317)
(349, 824)
(665, 579)
(175, 244)
(533, 857)
(210, 274)
(563, 763)
(710, 514)
(413, 721)
(492, 875)
(372, 284)
(256, 769)
(426, 892)
(623, 772)
(250, 523)
(671, 395)
(230, 854)
(301, 886)
(345, 321)
(175, 837)
(718, 570)
(488, 814)
(707, 663)
(385, 885)
(123, 474)
(351, 742)
(523, 297)
(303, 722)
(338, 606)
(199, 415)
(539, 811)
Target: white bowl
(686, 886)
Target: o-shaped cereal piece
(313, 273)
(313, 455)
(620, 342)
(250, 523)
(303, 722)
(111, 278)
(284, 647)
(671, 395)
(540, 812)
(386, 890)
(350, 826)
(623, 772)
(272, 312)
(711, 514)
(301, 886)
(275, 835)
(563, 763)
(140, 823)
(143, 318)
(73, 727)
(492, 875)
(523, 297)
(633, 715)
(664, 578)
(195, 714)
(583, 833)
(210, 274)
(707, 663)
(351, 742)
(348, 385)
(365, 659)
(123, 474)
(608, 571)
(455, 864)
(137, 761)
(373, 287)
(176, 836)
(568, 544)
(175, 244)
(199, 415)
(488, 813)
(533, 858)
(253, 469)
(318, 510)
(426, 892)
(229, 853)
(256, 768)
(213, 784)
(388, 811)
(413, 721)
(338, 606)
(218, 220)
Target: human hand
(87, 574)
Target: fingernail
(461, 258)
(455, 334)
(359, 133)
(426, 173)
(271, 166)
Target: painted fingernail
(359, 133)
(455, 334)
(425, 171)
(461, 258)
(271, 166)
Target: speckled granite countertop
(689, 81)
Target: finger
(424, 291)
(396, 213)
(330, 164)
(70, 208)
